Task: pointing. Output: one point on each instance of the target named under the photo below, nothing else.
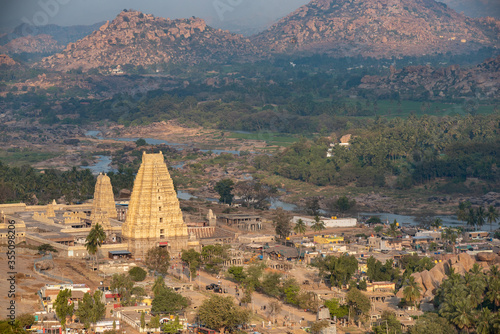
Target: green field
(25, 157)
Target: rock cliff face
(427, 82)
(141, 39)
(430, 280)
(378, 28)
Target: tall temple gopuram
(103, 206)
(154, 217)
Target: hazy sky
(219, 13)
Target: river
(104, 165)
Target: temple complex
(154, 217)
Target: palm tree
(437, 223)
(318, 225)
(492, 216)
(480, 216)
(461, 316)
(484, 321)
(393, 229)
(94, 240)
(471, 218)
(493, 293)
(462, 213)
(411, 291)
(451, 236)
(300, 227)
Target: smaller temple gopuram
(103, 206)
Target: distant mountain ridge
(475, 8)
(378, 28)
(135, 38)
(42, 39)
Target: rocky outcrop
(378, 28)
(429, 280)
(417, 82)
(134, 38)
(7, 61)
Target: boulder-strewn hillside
(427, 82)
(141, 39)
(475, 8)
(378, 28)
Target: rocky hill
(378, 28)
(135, 38)
(482, 81)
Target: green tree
(63, 306)
(338, 269)
(318, 326)
(300, 227)
(140, 142)
(91, 309)
(94, 240)
(237, 273)
(220, 313)
(224, 188)
(336, 310)
(25, 320)
(484, 321)
(214, 256)
(158, 260)
(172, 327)
(492, 216)
(122, 284)
(358, 303)
(137, 274)
(412, 291)
(318, 224)
(281, 222)
(432, 323)
(271, 284)
(167, 301)
(388, 324)
(378, 229)
(155, 322)
(438, 222)
(143, 320)
(46, 248)
(193, 260)
(158, 285)
(343, 205)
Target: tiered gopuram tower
(154, 217)
(103, 206)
